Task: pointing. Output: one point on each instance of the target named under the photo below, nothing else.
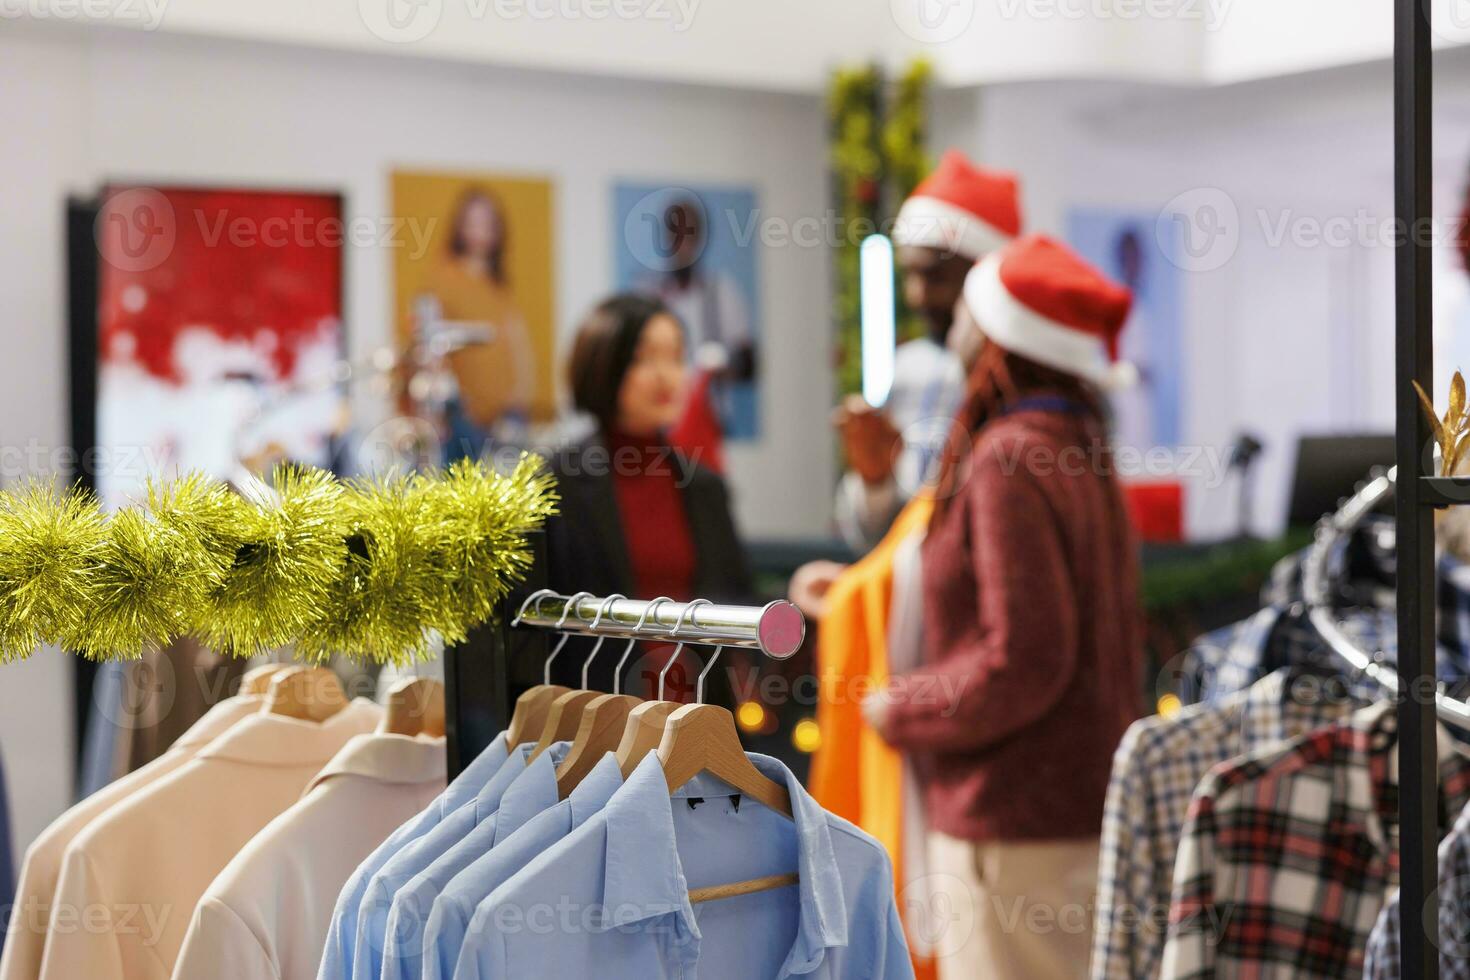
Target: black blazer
(588, 552)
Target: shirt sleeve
(78, 944)
(220, 946)
(895, 963)
(1014, 665)
(1125, 888)
(1382, 961)
(483, 955)
(865, 512)
(1189, 953)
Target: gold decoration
(1452, 433)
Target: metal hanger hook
(572, 604)
(536, 596)
(648, 610)
(699, 686)
(688, 613)
(601, 611)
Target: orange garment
(855, 774)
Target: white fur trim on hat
(932, 223)
(1020, 329)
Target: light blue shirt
(342, 936)
(449, 921)
(533, 791)
(377, 898)
(611, 899)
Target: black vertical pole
(484, 675)
(1418, 766)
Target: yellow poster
(476, 297)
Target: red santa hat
(960, 208)
(1039, 299)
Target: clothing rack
(1316, 585)
(777, 629)
(481, 674)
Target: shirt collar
(387, 759)
(1372, 770)
(644, 879)
(276, 740)
(488, 799)
(595, 789)
(218, 720)
(530, 792)
(475, 775)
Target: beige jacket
(129, 882)
(25, 940)
(267, 914)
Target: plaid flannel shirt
(1384, 961)
(1288, 855)
(1229, 660)
(1155, 771)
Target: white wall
(83, 107)
(43, 145)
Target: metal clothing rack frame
(1418, 495)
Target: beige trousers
(1008, 911)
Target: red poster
(220, 320)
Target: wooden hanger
(307, 693)
(414, 706)
(533, 707)
(643, 733)
(702, 738)
(603, 722)
(257, 681)
(565, 720)
(644, 729)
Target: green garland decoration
(369, 569)
(878, 156)
(854, 109)
(906, 153)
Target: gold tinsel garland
(368, 569)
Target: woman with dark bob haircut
(637, 516)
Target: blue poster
(695, 248)
(1127, 246)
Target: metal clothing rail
(777, 629)
(1316, 586)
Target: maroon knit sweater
(1033, 638)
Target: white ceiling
(792, 45)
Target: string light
(806, 736)
(751, 716)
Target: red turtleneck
(655, 525)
